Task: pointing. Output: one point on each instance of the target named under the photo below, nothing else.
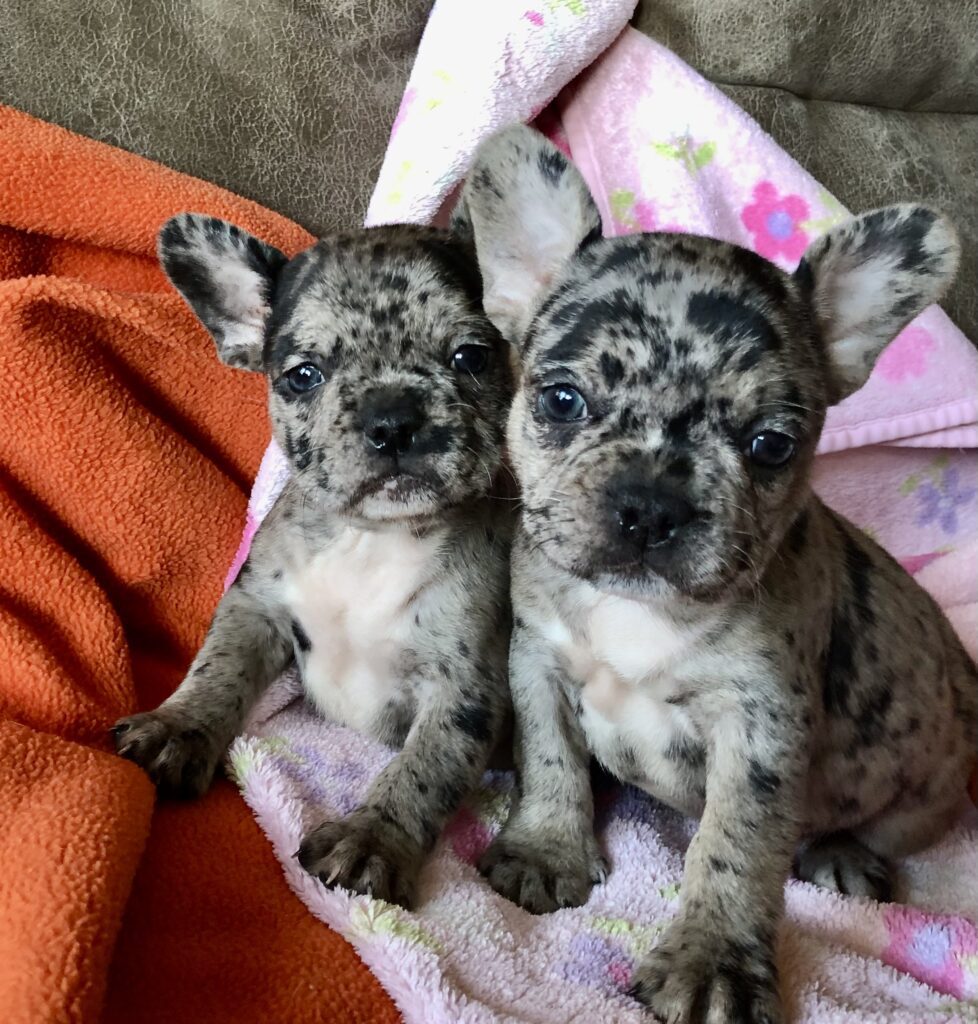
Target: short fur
(700, 622)
(382, 569)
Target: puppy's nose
(391, 420)
(650, 516)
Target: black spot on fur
(685, 751)
(838, 665)
(552, 165)
(587, 320)
(303, 641)
(678, 427)
(859, 568)
(301, 453)
(870, 720)
(612, 370)
(795, 538)
(764, 782)
(730, 320)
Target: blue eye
(470, 358)
(771, 449)
(304, 378)
(563, 404)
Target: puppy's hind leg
(840, 863)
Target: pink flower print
(916, 563)
(942, 503)
(468, 836)
(407, 100)
(906, 356)
(930, 948)
(775, 223)
(534, 17)
(644, 213)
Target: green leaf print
(836, 213)
(693, 158)
(621, 201)
(370, 916)
(704, 154)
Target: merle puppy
(382, 570)
(684, 606)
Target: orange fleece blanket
(126, 456)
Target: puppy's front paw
(364, 853)
(177, 752)
(543, 875)
(696, 975)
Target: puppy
(684, 607)
(382, 569)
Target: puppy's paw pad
(363, 853)
(841, 864)
(177, 753)
(694, 976)
(542, 877)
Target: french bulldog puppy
(685, 608)
(382, 571)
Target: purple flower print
(599, 962)
(932, 948)
(942, 504)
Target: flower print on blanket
(775, 221)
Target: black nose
(391, 420)
(650, 516)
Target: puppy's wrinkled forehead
(651, 310)
(378, 297)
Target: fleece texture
(126, 456)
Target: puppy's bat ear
(869, 277)
(227, 277)
(528, 210)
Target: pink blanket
(661, 148)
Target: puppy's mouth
(396, 495)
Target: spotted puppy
(382, 570)
(685, 608)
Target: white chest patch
(624, 655)
(356, 603)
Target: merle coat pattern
(382, 569)
(685, 608)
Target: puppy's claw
(364, 853)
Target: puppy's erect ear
(528, 209)
(870, 277)
(227, 277)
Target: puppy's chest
(624, 657)
(355, 604)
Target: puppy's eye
(304, 378)
(563, 404)
(771, 449)
(470, 358)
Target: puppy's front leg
(379, 848)
(716, 961)
(546, 856)
(181, 743)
